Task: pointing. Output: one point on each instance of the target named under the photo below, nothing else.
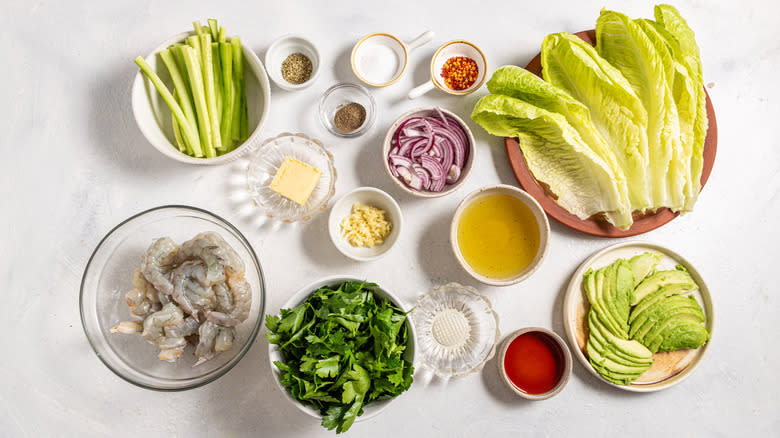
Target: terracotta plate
(668, 368)
(596, 225)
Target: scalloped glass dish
(264, 163)
(457, 330)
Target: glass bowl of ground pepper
(347, 110)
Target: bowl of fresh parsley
(341, 350)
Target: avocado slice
(662, 310)
(624, 290)
(643, 264)
(592, 283)
(609, 352)
(616, 378)
(605, 348)
(609, 299)
(691, 335)
(615, 367)
(660, 294)
(660, 279)
(660, 331)
(629, 347)
(603, 281)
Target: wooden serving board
(597, 225)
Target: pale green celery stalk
(177, 134)
(198, 28)
(244, 131)
(218, 89)
(195, 75)
(180, 87)
(190, 135)
(214, 28)
(222, 37)
(238, 69)
(226, 53)
(208, 85)
(194, 42)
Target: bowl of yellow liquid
(499, 234)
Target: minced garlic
(366, 226)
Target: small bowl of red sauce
(535, 363)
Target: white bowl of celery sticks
(221, 115)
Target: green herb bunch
(343, 349)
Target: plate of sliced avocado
(638, 316)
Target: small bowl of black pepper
(293, 62)
(347, 110)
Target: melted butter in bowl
(499, 235)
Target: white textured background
(73, 164)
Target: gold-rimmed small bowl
(395, 53)
(445, 52)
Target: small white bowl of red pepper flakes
(458, 67)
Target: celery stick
(226, 53)
(198, 28)
(180, 87)
(190, 135)
(238, 69)
(208, 86)
(195, 75)
(214, 29)
(177, 134)
(222, 36)
(218, 89)
(194, 42)
(244, 131)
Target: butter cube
(295, 180)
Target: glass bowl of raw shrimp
(109, 275)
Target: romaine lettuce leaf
(624, 44)
(684, 92)
(617, 114)
(557, 156)
(688, 54)
(519, 83)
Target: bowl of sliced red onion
(428, 152)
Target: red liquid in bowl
(534, 363)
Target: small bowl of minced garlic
(365, 223)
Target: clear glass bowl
(457, 330)
(107, 278)
(265, 161)
(340, 95)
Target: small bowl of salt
(380, 59)
(347, 110)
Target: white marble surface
(74, 164)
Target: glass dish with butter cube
(291, 177)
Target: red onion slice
(429, 153)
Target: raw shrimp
(241, 292)
(143, 300)
(128, 327)
(215, 253)
(185, 328)
(224, 339)
(207, 334)
(157, 262)
(171, 347)
(224, 298)
(186, 289)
